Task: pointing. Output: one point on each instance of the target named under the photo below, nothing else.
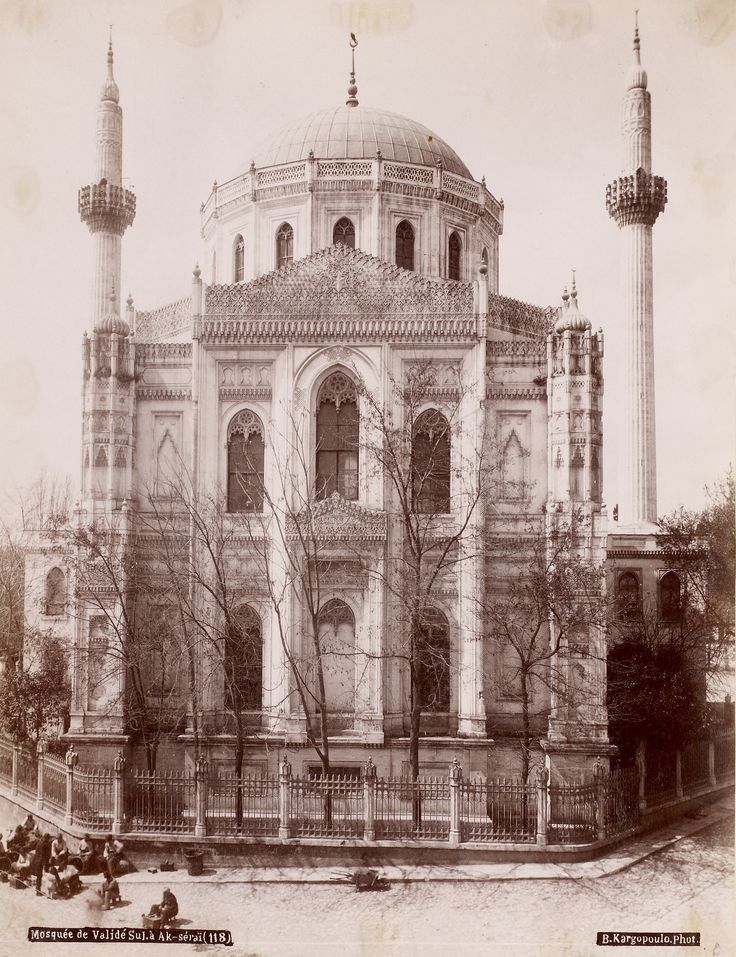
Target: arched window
(337, 437)
(344, 232)
(432, 661)
(243, 662)
(669, 598)
(55, 592)
(238, 259)
(431, 463)
(577, 464)
(245, 463)
(284, 245)
(454, 250)
(629, 599)
(405, 245)
(337, 650)
(512, 468)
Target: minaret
(634, 200)
(105, 206)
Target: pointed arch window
(669, 598)
(454, 254)
(239, 259)
(338, 433)
(405, 245)
(629, 597)
(431, 463)
(284, 245)
(245, 448)
(512, 468)
(431, 655)
(243, 661)
(55, 592)
(344, 232)
(577, 464)
(337, 647)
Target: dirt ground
(686, 887)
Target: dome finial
(574, 288)
(352, 99)
(109, 87)
(637, 79)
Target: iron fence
(621, 800)
(329, 806)
(416, 810)
(572, 814)
(660, 783)
(500, 809)
(246, 805)
(54, 782)
(27, 773)
(723, 756)
(6, 761)
(694, 764)
(93, 797)
(160, 801)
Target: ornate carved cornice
(526, 348)
(106, 207)
(522, 392)
(245, 392)
(150, 352)
(335, 519)
(638, 198)
(163, 323)
(162, 393)
(522, 317)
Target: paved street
(688, 886)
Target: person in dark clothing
(41, 860)
(165, 912)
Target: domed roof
(356, 133)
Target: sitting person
(69, 879)
(109, 892)
(113, 855)
(17, 839)
(50, 883)
(23, 863)
(87, 854)
(163, 913)
(59, 851)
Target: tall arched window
(431, 463)
(55, 592)
(577, 465)
(284, 245)
(629, 599)
(344, 232)
(512, 468)
(669, 598)
(243, 662)
(245, 463)
(337, 437)
(405, 245)
(432, 661)
(454, 250)
(337, 648)
(238, 259)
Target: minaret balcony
(637, 198)
(108, 208)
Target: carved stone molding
(149, 352)
(517, 393)
(163, 394)
(335, 519)
(245, 392)
(526, 348)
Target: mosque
(354, 248)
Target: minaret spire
(105, 206)
(634, 201)
(352, 99)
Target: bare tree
(546, 604)
(430, 456)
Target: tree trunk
(526, 733)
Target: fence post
(456, 778)
(641, 763)
(118, 793)
(40, 752)
(200, 796)
(711, 763)
(284, 799)
(71, 759)
(600, 796)
(16, 762)
(369, 800)
(542, 809)
(678, 773)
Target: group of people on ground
(32, 856)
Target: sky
(528, 93)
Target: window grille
(284, 245)
(405, 245)
(454, 251)
(337, 438)
(344, 232)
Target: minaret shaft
(634, 200)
